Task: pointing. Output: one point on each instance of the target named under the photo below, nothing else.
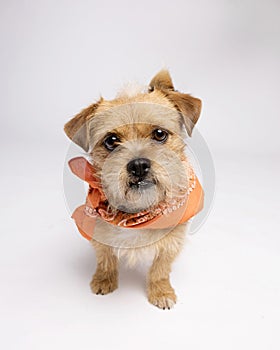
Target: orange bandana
(165, 215)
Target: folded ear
(77, 130)
(188, 106)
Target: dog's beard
(141, 196)
(133, 199)
(166, 180)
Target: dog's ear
(161, 81)
(188, 106)
(77, 130)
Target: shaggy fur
(133, 118)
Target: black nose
(139, 167)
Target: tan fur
(162, 81)
(76, 128)
(133, 119)
(159, 246)
(105, 279)
(187, 105)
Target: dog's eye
(111, 142)
(160, 135)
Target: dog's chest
(133, 245)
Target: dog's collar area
(167, 214)
(124, 219)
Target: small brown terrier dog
(136, 145)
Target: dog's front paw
(103, 285)
(162, 295)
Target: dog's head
(136, 143)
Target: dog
(138, 171)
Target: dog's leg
(160, 291)
(105, 279)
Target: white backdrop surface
(59, 56)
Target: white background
(59, 56)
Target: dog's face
(136, 144)
(137, 150)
